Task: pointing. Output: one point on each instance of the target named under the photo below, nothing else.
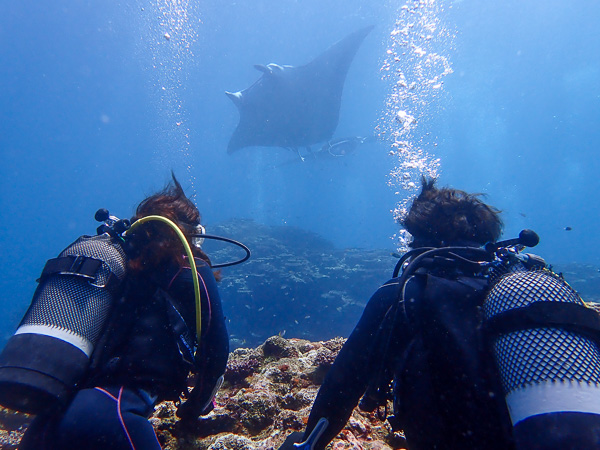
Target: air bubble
(414, 67)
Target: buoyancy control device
(50, 351)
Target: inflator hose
(190, 256)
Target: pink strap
(122, 421)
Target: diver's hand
(188, 411)
(292, 439)
(188, 417)
(187, 425)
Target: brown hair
(155, 242)
(444, 217)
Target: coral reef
(584, 278)
(296, 284)
(267, 395)
(12, 426)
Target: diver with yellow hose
(117, 324)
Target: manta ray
(295, 107)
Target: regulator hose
(190, 255)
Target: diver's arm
(214, 346)
(352, 370)
(214, 342)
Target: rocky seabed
(267, 394)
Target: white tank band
(59, 333)
(553, 396)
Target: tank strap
(567, 316)
(81, 266)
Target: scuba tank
(545, 341)
(50, 351)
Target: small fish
(238, 342)
(568, 228)
(282, 333)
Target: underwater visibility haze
(100, 102)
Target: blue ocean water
(100, 101)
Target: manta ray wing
(295, 106)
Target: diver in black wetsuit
(334, 148)
(342, 146)
(428, 404)
(421, 342)
(147, 351)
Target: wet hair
(155, 242)
(446, 216)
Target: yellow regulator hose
(190, 256)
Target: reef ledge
(267, 394)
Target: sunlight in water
(414, 68)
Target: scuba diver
(342, 146)
(117, 324)
(334, 148)
(475, 344)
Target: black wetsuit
(446, 394)
(143, 362)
